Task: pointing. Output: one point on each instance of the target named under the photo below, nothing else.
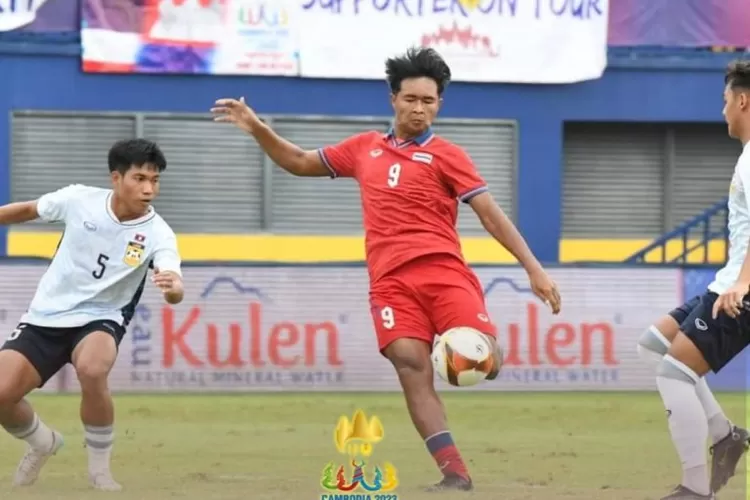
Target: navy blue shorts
(49, 349)
(681, 313)
(720, 339)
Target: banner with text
(518, 41)
(238, 37)
(521, 41)
(308, 328)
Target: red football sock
(446, 455)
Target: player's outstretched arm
(18, 213)
(285, 154)
(504, 231)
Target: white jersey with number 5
(739, 224)
(101, 264)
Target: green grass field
(273, 447)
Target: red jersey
(410, 193)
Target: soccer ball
(463, 356)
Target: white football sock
(652, 346)
(688, 427)
(37, 434)
(719, 426)
(99, 441)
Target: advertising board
(306, 328)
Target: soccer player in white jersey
(85, 300)
(708, 331)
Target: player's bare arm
(285, 154)
(170, 284)
(504, 231)
(18, 213)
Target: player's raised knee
(652, 345)
(671, 368)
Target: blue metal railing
(707, 234)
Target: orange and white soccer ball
(463, 356)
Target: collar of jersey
(140, 220)
(420, 140)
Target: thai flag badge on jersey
(422, 158)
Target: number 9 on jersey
(394, 172)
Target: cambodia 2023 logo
(359, 478)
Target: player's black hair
(417, 63)
(738, 75)
(135, 152)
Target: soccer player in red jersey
(420, 285)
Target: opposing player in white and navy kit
(708, 331)
(85, 300)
